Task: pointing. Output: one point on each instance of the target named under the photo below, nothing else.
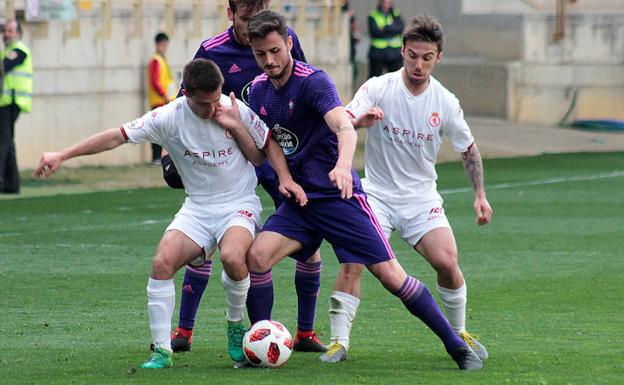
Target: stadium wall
(95, 79)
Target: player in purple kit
(230, 51)
(301, 106)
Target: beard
(280, 74)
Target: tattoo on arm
(473, 166)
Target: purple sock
(419, 301)
(195, 281)
(307, 283)
(260, 296)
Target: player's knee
(162, 268)
(446, 262)
(350, 272)
(257, 259)
(233, 259)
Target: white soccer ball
(267, 344)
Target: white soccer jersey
(401, 149)
(213, 168)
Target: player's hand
(48, 164)
(342, 179)
(483, 211)
(369, 118)
(229, 117)
(290, 188)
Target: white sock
(160, 304)
(454, 301)
(236, 296)
(342, 309)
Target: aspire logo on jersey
(287, 139)
(406, 132)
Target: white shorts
(411, 220)
(205, 225)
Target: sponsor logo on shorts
(286, 139)
(246, 213)
(435, 214)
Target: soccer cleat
(473, 341)
(335, 353)
(466, 359)
(308, 342)
(160, 359)
(181, 340)
(235, 333)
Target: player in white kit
(408, 113)
(202, 132)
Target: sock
(342, 309)
(195, 282)
(307, 283)
(160, 304)
(419, 301)
(260, 296)
(236, 296)
(454, 301)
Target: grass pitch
(544, 279)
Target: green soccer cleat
(235, 333)
(473, 341)
(335, 353)
(160, 359)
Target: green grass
(545, 284)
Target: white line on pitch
(563, 179)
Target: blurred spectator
(354, 36)
(385, 28)
(16, 97)
(159, 83)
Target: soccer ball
(267, 344)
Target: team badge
(135, 124)
(434, 120)
(245, 93)
(291, 105)
(287, 139)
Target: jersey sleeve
(320, 93)
(456, 128)
(257, 129)
(364, 99)
(146, 129)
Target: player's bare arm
(229, 118)
(474, 168)
(340, 123)
(287, 186)
(106, 140)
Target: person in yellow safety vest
(16, 97)
(159, 83)
(385, 28)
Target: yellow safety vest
(164, 78)
(383, 20)
(18, 83)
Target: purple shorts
(349, 225)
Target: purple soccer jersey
(295, 114)
(237, 62)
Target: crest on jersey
(434, 120)
(245, 93)
(137, 123)
(287, 139)
(291, 105)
